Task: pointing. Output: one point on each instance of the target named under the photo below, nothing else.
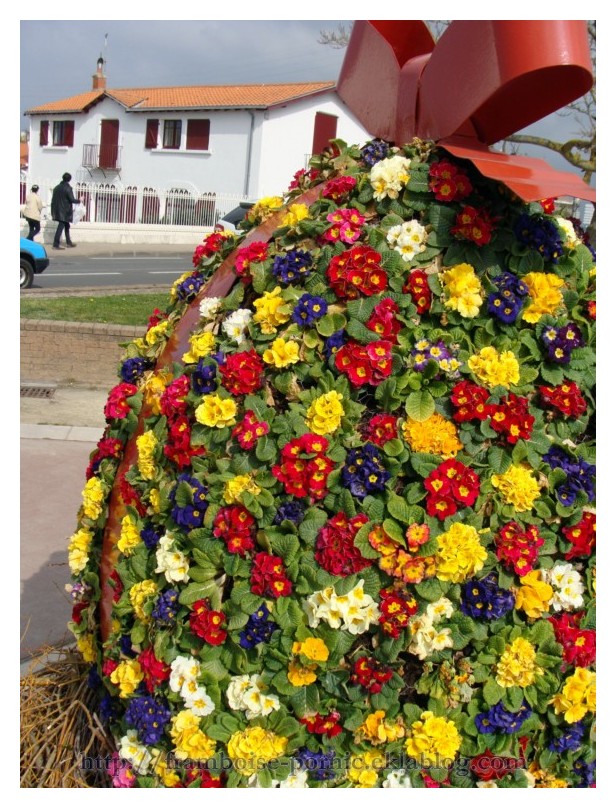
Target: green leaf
(499, 459)
(492, 692)
(420, 405)
(399, 508)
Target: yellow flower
(364, 768)
(543, 288)
(190, 742)
(518, 487)
(264, 207)
(167, 775)
(325, 413)
(295, 214)
(79, 549)
(200, 345)
(517, 666)
(153, 388)
(377, 729)
(157, 333)
(146, 445)
(534, 595)
(313, 649)
(300, 675)
(155, 500)
(253, 748)
(433, 739)
(492, 368)
(435, 435)
(130, 536)
(86, 647)
(271, 311)
(138, 594)
(92, 497)
(464, 290)
(460, 553)
(578, 697)
(216, 412)
(282, 353)
(127, 677)
(235, 488)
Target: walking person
(62, 201)
(32, 212)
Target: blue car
(33, 261)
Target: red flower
(470, 402)
(155, 671)
(335, 549)
(269, 577)
(207, 623)
(370, 674)
(249, 430)
(254, 253)
(381, 429)
(211, 245)
(450, 485)
(548, 205)
(517, 548)
(567, 398)
(579, 645)
(591, 307)
(396, 607)
(130, 496)
(474, 225)
(356, 271)
(449, 182)
(510, 417)
(323, 724)
(346, 225)
(304, 468)
(106, 447)
(178, 447)
(108, 667)
(582, 536)
(489, 766)
(208, 780)
(365, 364)
(417, 287)
(78, 608)
(236, 526)
(339, 187)
(117, 406)
(173, 399)
(383, 320)
(242, 373)
(155, 318)
(303, 178)
(115, 582)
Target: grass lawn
(116, 309)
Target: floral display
(340, 529)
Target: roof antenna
(99, 80)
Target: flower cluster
(344, 508)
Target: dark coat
(62, 201)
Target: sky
(58, 57)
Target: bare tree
(337, 39)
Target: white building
(244, 140)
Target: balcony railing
(103, 157)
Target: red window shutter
(151, 133)
(198, 134)
(69, 133)
(44, 138)
(325, 127)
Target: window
(172, 132)
(198, 134)
(151, 133)
(44, 135)
(63, 132)
(325, 127)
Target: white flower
(355, 611)
(183, 670)
(487, 784)
(397, 779)
(408, 238)
(441, 608)
(236, 324)
(299, 779)
(209, 307)
(247, 693)
(134, 752)
(196, 699)
(426, 639)
(172, 562)
(389, 176)
(568, 587)
(570, 237)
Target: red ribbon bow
(482, 81)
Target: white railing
(114, 203)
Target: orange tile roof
(201, 97)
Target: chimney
(99, 80)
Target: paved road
(68, 269)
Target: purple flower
(132, 369)
(318, 764)
(166, 607)
(292, 266)
(363, 472)
(570, 740)
(374, 151)
(541, 234)
(485, 600)
(151, 536)
(258, 629)
(189, 288)
(498, 719)
(149, 716)
(308, 310)
(290, 511)
(204, 377)
(334, 343)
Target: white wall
(287, 137)
(281, 138)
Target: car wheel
(26, 274)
